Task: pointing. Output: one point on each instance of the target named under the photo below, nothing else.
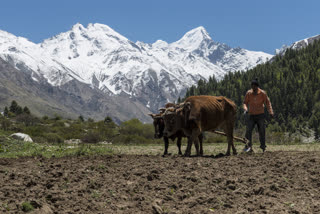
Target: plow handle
(243, 140)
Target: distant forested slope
(292, 82)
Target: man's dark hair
(255, 82)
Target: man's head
(255, 85)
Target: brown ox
(201, 113)
(159, 127)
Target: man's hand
(245, 112)
(272, 116)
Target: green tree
(26, 110)
(80, 118)
(6, 112)
(13, 107)
(108, 120)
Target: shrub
(58, 123)
(27, 119)
(131, 139)
(91, 137)
(136, 127)
(53, 138)
(37, 131)
(5, 124)
(27, 207)
(39, 139)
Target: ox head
(172, 121)
(185, 109)
(176, 118)
(158, 125)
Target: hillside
(70, 100)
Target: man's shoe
(248, 150)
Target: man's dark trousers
(259, 120)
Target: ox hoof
(166, 154)
(228, 154)
(187, 155)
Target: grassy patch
(15, 149)
(27, 207)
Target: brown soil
(274, 182)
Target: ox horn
(161, 110)
(152, 115)
(155, 116)
(170, 110)
(181, 105)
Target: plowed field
(274, 182)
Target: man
(254, 103)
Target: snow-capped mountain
(298, 44)
(98, 56)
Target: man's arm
(245, 103)
(269, 106)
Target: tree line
(292, 82)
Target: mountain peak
(101, 27)
(192, 39)
(78, 26)
(160, 44)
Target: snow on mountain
(152, 73)
(297, 45)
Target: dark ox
(159, 128)
(198, 114)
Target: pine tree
(6, 112)
(26, 110)
(80, 118)
(14, 107)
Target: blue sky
(250, 24)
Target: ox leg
(179, 145)
(200, 137)
(187, 153)
(166, 145)
(229, 132)
(195, 137)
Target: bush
(27, 119)
(39, 140)
(37, 131)
(5, 124)
(27, 207)
(91, 137)
(53, 138)
(132, 139)
(136, 127)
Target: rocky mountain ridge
(103, 60)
